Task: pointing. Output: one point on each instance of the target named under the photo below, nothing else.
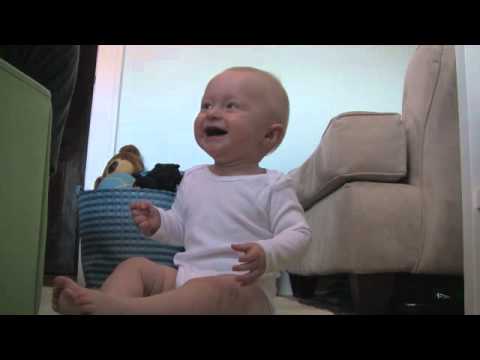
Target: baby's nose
(213, 112)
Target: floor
(285, 305)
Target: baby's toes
(70, 294)
(83, 298)
(87, 309)
(55, 305)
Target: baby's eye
(232, 105)
(206, 106)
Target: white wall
(468, 70)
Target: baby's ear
(274, 135)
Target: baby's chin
(219, 155)
(214, 145)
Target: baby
(240, 224)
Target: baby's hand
(145, 216)
(253, 260)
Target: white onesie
(211, 212)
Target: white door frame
(468, 79)
(102, 137)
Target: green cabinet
(25, 130)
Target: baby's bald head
(275, 96)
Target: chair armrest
(356, 146)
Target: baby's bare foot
(71, 298)
(65, 297)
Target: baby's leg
(208, 295)
(138, 277)
(135, 277)
(73, 299)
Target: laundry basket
(109, 236)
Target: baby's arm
(160, 224)
(291, 231)
(171, 230)
(253, 261)
(291, 237)
(146, 217)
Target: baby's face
(234, 118)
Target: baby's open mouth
(215, 131)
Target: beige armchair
(382, 191)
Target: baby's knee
(135, 262)
(228, 296)
(237, 299)
(229, 288)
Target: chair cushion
(356, 146)
(357, 230)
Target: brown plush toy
(128, 160)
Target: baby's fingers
(247, 258)
(139, 218)
(136, 213)
(140, 205)
(145, 228)
(249, 278)
(246, 267)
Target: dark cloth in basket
(162, 177)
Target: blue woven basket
(109, 236)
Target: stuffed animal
(120, 169)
